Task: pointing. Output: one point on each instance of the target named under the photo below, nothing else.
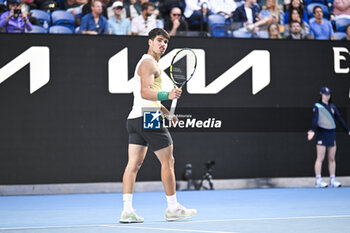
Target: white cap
(116, 4)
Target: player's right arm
(147, 72)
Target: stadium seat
(341, 23)
(307, 2)
(217, 25)
(58, 29)
(310, 9)
(63, 18)
(37, 29)
(41, 16)
(241, 34)
(339, 35)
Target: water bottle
(45, 25)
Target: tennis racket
(183, 65)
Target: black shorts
(325, 137)
(156, 139)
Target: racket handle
(172, 109)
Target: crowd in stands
(290, 19)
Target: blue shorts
(325, 137)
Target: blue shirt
(88, 24)
(119, 28)
(321, 31)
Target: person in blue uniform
(323, 122)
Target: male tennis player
(323, 122)
(148, 94)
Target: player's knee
(169, 162)
(135, 167)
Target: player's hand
(310, 135)
(349, 133)
(173, 120)
(175, 93)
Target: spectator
(341, 9)
(165, 7)
(321, 28)
(15, 21)
(46, 5)
(94, 23)
(67, 4)
(223, 7)
(295, 31)
(119, 25)
(295, 16)
(347, 30)
(144, 23)
(273, 31)
(245, 15)
(77, 10)
(175, 22)
(196, 13)
(272, 14)
(296, 5)
(87, 9)
(129, 11)
(134, 10)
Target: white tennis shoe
(130, 217)
(180, 213)
(321, 184)
(335, 183)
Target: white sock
(332, 177)
(127, 201)
(319, 177)
(172, 202)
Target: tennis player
(323, 122)
(148, 94)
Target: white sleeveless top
(139, 102)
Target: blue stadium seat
(217, 25)
(41, 16)
(310, 9)
(341, 24)
(37, 29)
(63, 18)
(307, 2)
(241, 34)
(58, 29)
(339, 35)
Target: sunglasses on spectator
(176, 14)
(118, 7)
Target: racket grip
(172, 109)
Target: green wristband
(162, 95)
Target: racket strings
(183, 66)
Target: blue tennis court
(273, 210)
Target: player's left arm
(341, 120)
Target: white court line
(112, 226)
(193, 221)
(49, 227)
(168, 229)
(263, 219)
